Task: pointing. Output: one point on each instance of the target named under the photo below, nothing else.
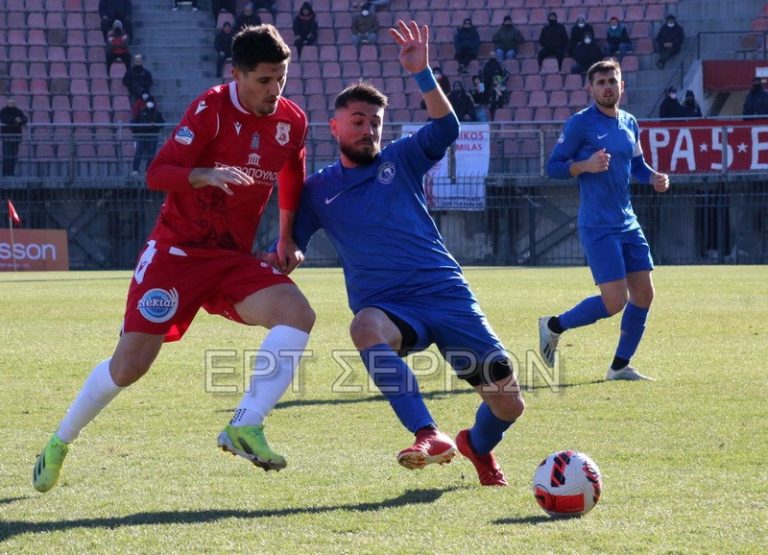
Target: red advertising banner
(33, 249)
(698, 146)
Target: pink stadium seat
(16, 20)
(538, 16)
(104, 86)
(102, 117)
(553, 82)
(523, 114)
(95, 54)
(97, 70)
(573, 82)
(77, 54)
(36, 20)
(643, 46)
(85, 151)
(37, 54)
(537, 98)
(444, 18)
(630, 64)
(38, 86)
(79, 87)
(596, 14)
(369, 52)
(342, 21)
(328, 53)
(309, 53)
(102, 102)
(333, 86)
(41, 102)
(400, 116)
(558, 99)
(543, 113)
(117, 70)
(60, 85)
(529, 67)
(19, 70)
(534, 82)
(80, 102)
(62, 117)
(517, 99)
(351, 69)
(655, 12)
(17, 37)
(92, 19)
(119, 104)
(634, 13)
(640, 30)
(75, 20)
(41, 117)
(561, 114)
(549, 65)
(60, 102)
(54, 5)
(76, 37)
(579, 99)
(78, 70)
(313, 85)
(73, 5)
(93, 37)
(331, 69)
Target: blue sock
(588, 311)
(487, 431)
(632, 328)
(397, 383)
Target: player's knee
(127, 369)
(364, 332)
(615, 303)
(509, 407)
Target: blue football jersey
(605, 196)
(376, 216)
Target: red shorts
(170, 284)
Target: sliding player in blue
(600, 145)
(404, 287)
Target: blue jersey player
(601, 146)
(404, 287)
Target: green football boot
(249, 442)
(48, 464)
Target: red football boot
(431, 447)
(488, 470)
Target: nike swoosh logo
(602, 136)
(334, 197)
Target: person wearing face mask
(507, 40)
(365, 25)
(617, 41)
(670, 107)
(466, 40)
(669, 41)
(756, 102)
(578, 32)
(691, 108)
(585, 54)
(553, 40)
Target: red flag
(13, 214)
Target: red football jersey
(218, 131)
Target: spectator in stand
(466, 40)
(110, 10)
(246, 18)
(578, 32)
(268, 5)
(223, 46)
(145, 128)
(491, 69)
(553, 41)
(756, 102)
(140, 103)
(691, 108)
(365, 25)
(670, 107)
(12, 119)
(669, 41)
(507, 40)
(497, 96)
(218, 6)
(138, 78)
(479, 96)
(462, 102)
(177, 2)
(305, 27)
(617, 41)
(587, 52)
(117, 46)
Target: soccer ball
(567, 483)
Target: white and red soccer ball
(567, 483)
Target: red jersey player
(218, 169)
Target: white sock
(97, 392)
(274, 367)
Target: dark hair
(603, 66)
(362, 91)
(259, 44)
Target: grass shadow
(9, 500)
(538, 519)
(11, 528)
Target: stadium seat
(35, 20)
(60, 102)
(561, 114)
(75, 20)
(81, 102)
(630, 64)
(578, 99)
(534, 82)
(558, 98)
(553, 82)
(573, 82)
(79, 87)
(328, 53)
(62, 117)
(16, 21)
(537, 98)
(36, 37)
(517, 99)
(549, 65)
(309, 53)
(60, 85)
(331, 70)
(634, 13)
(369, 52)
(523, 114)
(542, 113)
(41, 102)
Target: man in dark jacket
(578, 32)
(12, 120)
(586, 53)
(223, 46)
(553, 40)
(669, 41)
(507, 40)
(145, 128)
(462, 103)
(305, 27)
(617, 41)
(247, 18)
(466, 40)
(756, 103)
(137, 79)
(670, 107)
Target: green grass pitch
(683, 458)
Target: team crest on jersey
(282, 134)
(238, 126)
(184, 136)
(253, 159)
(386, 173)
(255, 141)
(159, 305)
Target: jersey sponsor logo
(184, 136)
(238, 126)
(200, 107)
(266, 177)
(253, 159)
(386, 173)
(158, 305)
(283, 132)
(145, 261)
(603, 136)
(334, 197)
(255, 141)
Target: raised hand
(413, 41)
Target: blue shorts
(452, 320)
(612, 255)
